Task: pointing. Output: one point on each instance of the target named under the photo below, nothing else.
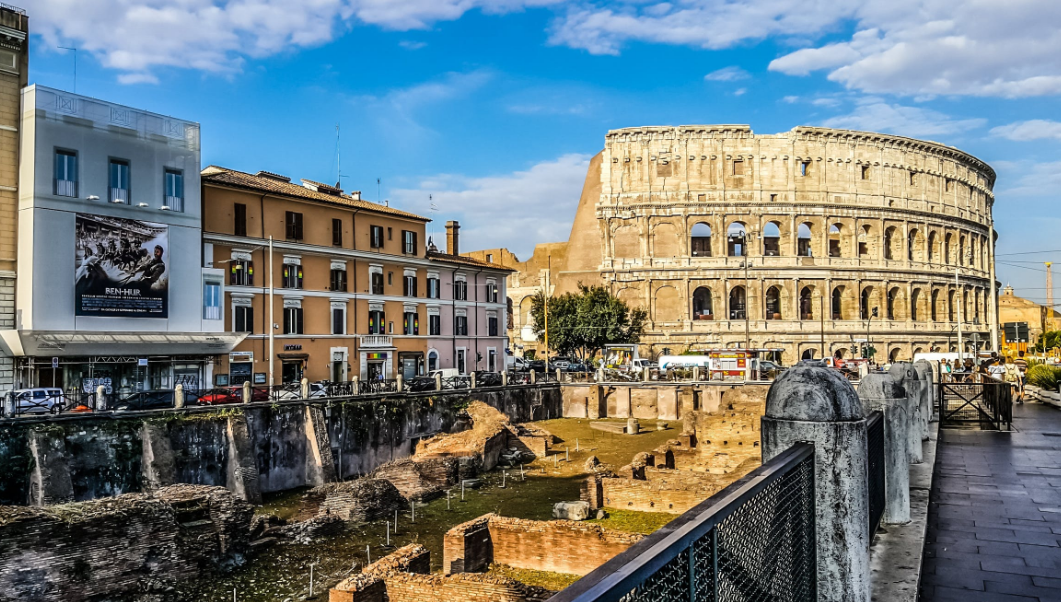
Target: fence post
(178, 396)
(559, 375)
(9, 405)
(438, 381)
(813, 403)
(600, 374)
(644, 374)
(532, 377)
(879, 391)
(399, 384)
(904, 374)
(101, 398)
(925, 372)
(247, 395)
(355, 387)
(304, 387)
(472, 382)
(504, 378)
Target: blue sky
(494, 107)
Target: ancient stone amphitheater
(717, 231)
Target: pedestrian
(997, 370)
(1015, 380)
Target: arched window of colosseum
(834, 240)
(702, 304)
(839, 353)
(666, 242)
(668, 305)
(736, 240)
(868, 303)
(630, 296)
(894, 304)
(626, 243)
(962, 259)
(915, 300)
(808, 354)
(935, 306)
(737, 303)
(894, 355)
(889, 236)
(837, 303)
(701, 240)
(951, 306)
(803, 244)
(806, 303)
(930, 249)
(915, 246)
(965, 306)
(772, 239)
(525, 310)
(773, 303)
(947, 242)
(863, 241)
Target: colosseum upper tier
(728, 237)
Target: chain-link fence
(752, 542)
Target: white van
(41, 400)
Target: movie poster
(121, 268)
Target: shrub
(1044, 377)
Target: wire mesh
(875, 457)
(669, 584)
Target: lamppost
(743, 236)
(872, 315)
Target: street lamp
(743, 236)
(872, 315)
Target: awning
(20, 343)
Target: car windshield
(38, 394)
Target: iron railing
(875, 465)
(987, 405)
(754, 541)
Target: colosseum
(730, 238)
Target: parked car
(221, 396)
(155, 399)
(420, 383)
(487, 379)
(536, 365)
(577, 367)
(43, 400)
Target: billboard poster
(121, 268)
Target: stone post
(880, 392)
(355, 389)
(926, 372)
(438, 381)
(813, 403)
(400, 384)
(532, 377)
(305, 387)
(645, 376)
(473, 380)
(633, 426)
(101, 398)
(178, 396)
(247, 394)
(504, 378)
(904, 374)
(9, 405)
(558, 375)
(600, 374)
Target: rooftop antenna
(75, 63)
(377, 191)
(338, 160)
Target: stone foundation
(362, 500)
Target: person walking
(1015, 379)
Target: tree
(583, 323)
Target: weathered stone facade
(714, 229)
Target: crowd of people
(997, 367)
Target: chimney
(453, 237)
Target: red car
(220, 396)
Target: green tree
(583, 323)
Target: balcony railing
(65, 188)
(119, 195)
(175, 203)
(377, 340)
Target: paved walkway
(994, 522)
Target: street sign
(141, 361)
(55, 362)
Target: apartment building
(111, 286)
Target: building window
(376, 321)
(409, 285)
(913, 178)
(434, 325)
(804, 168)
(338, 318)
(174, 187)
(377, 283)
(432, 361)
(409, 242)
(462, 355)
(491, 326)
(390, 278)
(338, 280)
(460, 326)
(489, 258)
(700, 242)
(239, 217)
(243, 319)
(865, 172)
(293, 221)
(376, 238)
(411, 323)
(292, 320)
(460, 290)
(212, 301)
(65, 173)
(738, 167)
(337, 232)
(292, 276)
(434, 287)
(491, 291)
(773, 198)
(119, 181)
(390, 231)
(491, 360)
(241, 272)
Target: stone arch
(896, 306)
(806, 303)
(915, 245)
(626, 242)
(893, 355)
(667, 305)
(835, 240)
(736, 239)
(934, 306)
(866, 245)
(930, 248)
(805, 240)
(525, 306)
(948, 254)
(869, 300)
(891, 245)
(772, 239)
(702, 304)
(631, 296)
(774, 308)
(666, 242)
(836, 303)
(951, 305)
(961, 250)
(839, 353)
(808, 354)
(738, 303)
(917, 310)
(700, 240)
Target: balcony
(376, 340)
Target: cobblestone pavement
(994, 523)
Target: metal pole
(959, 299)
(548, 271)
(747, 315)
(821, 310)
(271, 316)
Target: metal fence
(754, 541)
(875, 465)
(987, 405)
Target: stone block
(571, 510)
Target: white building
(111, 288)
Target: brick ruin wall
(70, 552)
(365, 499)
(424, 478)
(558, 546)
(654, 400)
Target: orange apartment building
(349, 280)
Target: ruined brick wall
(669, 491)
(361, 500)
(557, 546)
(420, 478)
(370, 585)
(106, 548)
(467, 548)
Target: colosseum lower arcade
(717, 231)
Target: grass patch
(632, 521)
(550, 581)
(284, 504)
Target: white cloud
(396, 110)
(1032, 182)
(740, 91)
(1033, 129)
(875, 115)
(727, 74)
(515, 210)
(790, 99)
(412, 44)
